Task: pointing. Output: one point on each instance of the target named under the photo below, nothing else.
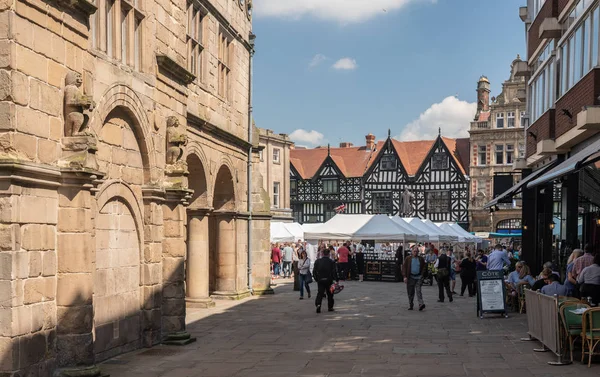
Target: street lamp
(552, 224)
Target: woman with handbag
(305, 276)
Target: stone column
(226, 249)
(197, 277)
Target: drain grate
(160, 352)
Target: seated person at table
(589, 278)
(520, 276)
(542, 279)
(554, 288)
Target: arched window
(509, 226)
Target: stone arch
(224, 197)
(120, 96)
(117, 279)
(198, 180)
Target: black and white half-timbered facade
(378, 177)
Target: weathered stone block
(8, 117)
(48, 151)
(37, 317)
(10, 237)
(172, 324)
(74, 350)
(151, 319)
(174, 247)
(45, 98)
(20, 265)
(49, 309)
(153, 252)
(174, 307)
(5, 322)
(32, 349)
(74, 220)
(173, 269)
(74, 289)
(6, 264)
(49, 263)
(39, 290)
(21, 318)
(36, 210)
(174, 290)
(33, 122)
(56, 74)
(74, 252)
(75, 198)
(151, 273)
(35, 264)
(26, 145)
(9, 349)
(75, 319)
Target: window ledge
(171, 66)
(84, 6)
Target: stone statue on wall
(176, 169)
(175, 141)
(407, 202)
(75, 104)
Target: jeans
(303, 284)
(276, 267)
(413, 285)
(323, 286)
(287, 269)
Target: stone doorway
(116, 281)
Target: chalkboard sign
(491, 293)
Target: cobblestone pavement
(370, 334)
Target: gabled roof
(355, 161)
(352, 162)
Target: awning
(515, 189)
(585, 156)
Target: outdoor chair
(521, 297)
(572, 323)
(590, 334)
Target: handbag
(309, 278)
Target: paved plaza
(370, 334)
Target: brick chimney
(346, 145)
(370, 138)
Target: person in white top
(304, 270)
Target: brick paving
(370, 334)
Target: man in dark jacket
(443, 264)
(325, 273)
(413, 270)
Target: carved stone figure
(75, 104)
(175, 141)
(407, 202)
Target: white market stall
(358, 227)
(460, 230)
(435, 233)
(279, 233)
(296, 230)
(422, 235)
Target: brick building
(561, 201)
(497, 141)
(124, 158)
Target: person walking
(468, 272)
(304, 272)
(413, 270)
(343, 255)
(443, 266)
(276, 259)
(360, 261)
(324, 273)
(288, 257)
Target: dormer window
(389, 162)
(439, 161)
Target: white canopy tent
(462, 237)
(460, 230)
(441, 234)
(296, 230)
(279, 233)
(369, 227)
(422, 235)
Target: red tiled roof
(355, 161)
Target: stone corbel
(171, 66)
(85, 6)
(181, 195)
(79, 153)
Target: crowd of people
(343, 261)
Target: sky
(331, 71)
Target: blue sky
(402, 59)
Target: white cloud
(452, 115)
(317, 60)
(343, 11)
(347, 64)
(313, 137)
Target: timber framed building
(374, 179)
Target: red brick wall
(543, 128)
(549, 9)
(584, 93)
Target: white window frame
(510, 118)
(276, 194)
(276, 155)
(482, 152)
(500, 120)
(509, 153)
(499, 151)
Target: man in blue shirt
(413, 268)
(554, 288)
(497, 259)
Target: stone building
(497, 141)
(275, 170)
(124, 160)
